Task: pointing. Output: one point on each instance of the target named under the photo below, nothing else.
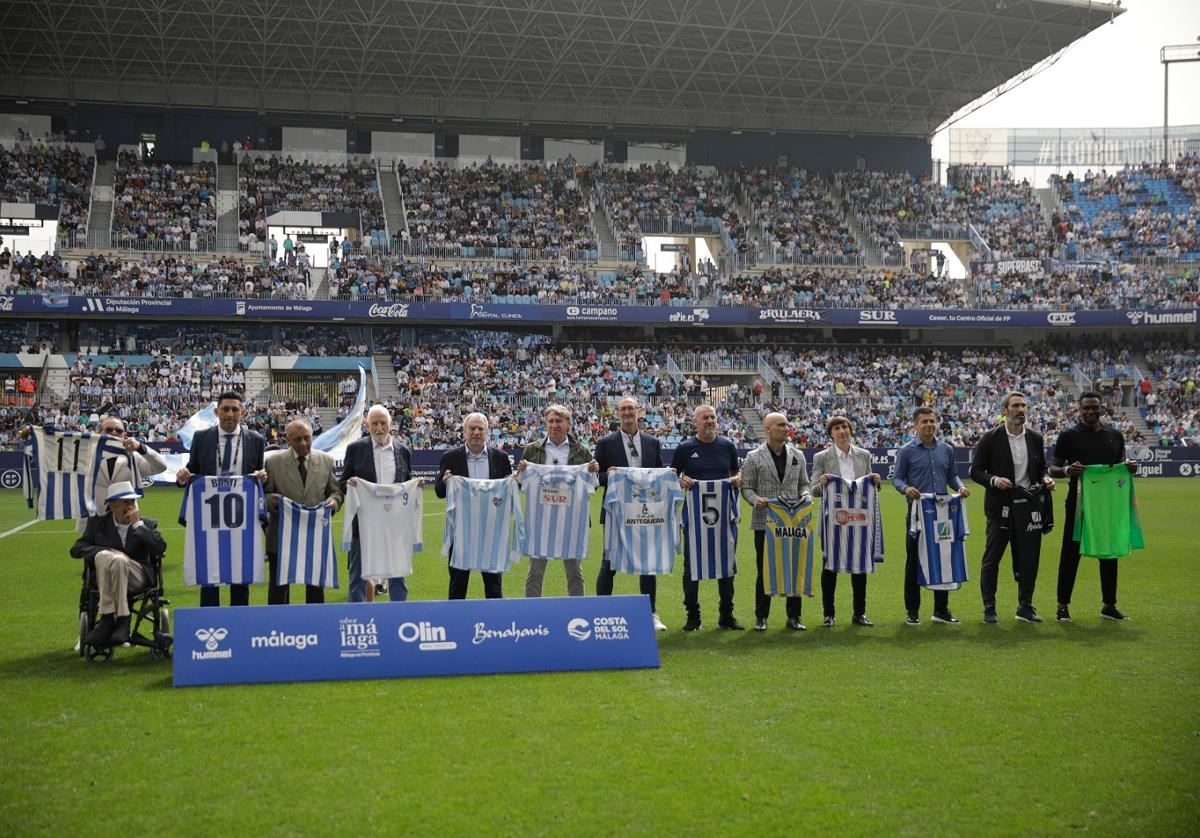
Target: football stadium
(455, 418)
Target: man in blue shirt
(706, 456)
(924, 466)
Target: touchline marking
(18, 528)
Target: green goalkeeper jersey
(1106, 523)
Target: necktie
(227, 458)
(303, 469)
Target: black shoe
(730, 623)
(692, 624)
(989, 615)
(944, 617)
(914, 619)
(1028, 614)
(862, 620)
(795, 625)
(121, 632)
(828, 621)
(101, 634)
(760, 624)
(1111, 612)
(1063, 615)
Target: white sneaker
(659, 625)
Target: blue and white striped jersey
(224, 541)
(940, 524)
(556, 510)
(305, 549)
(642, 520)
(851, 526)
(484, 523)
(67, 464)
(710, 519)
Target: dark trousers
(912, 589)
(647, 583)
(762, 600)
(210, 595)
(691, 590)
(1025, 559)
(858, 584)
(460, 579)
(1068, 566)
(282, 594)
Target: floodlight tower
(1168, 55)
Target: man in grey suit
(848, 462)
(305, 476)
(775, 469)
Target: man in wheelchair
(123, 548)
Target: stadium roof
(868, 66)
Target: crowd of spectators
(530, 208)
(832, 287)
(1171, 403)
(891, 206)
(1007, 214)
(797, 213)
(1089, 288)
(56, 175)
(269, 184)
(33, 338)
(157, 206)
(659, 199)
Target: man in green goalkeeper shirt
(1088, 443)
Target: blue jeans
(356, 591)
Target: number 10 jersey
(224, 541)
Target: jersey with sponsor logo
(484, 523)
(851, 526)
(1107, 524)
(68, 464)
(642, 520)
(224, 540)
(940, 524)
(305, 548)
(710, 519)
(788, 550)
(389, 526)
(557, 510)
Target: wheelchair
(149, 617)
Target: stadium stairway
(604, 237)
(318, 284)
(753, 422)
(99, 230)
(58, 381)
(1134, 416)
(1049, 201)
(227, 206)
(389, 390)
(258, 385)
(393, 201)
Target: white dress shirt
(385, 462)
(1020, 457)
(633, 449)
(235, 448)
(845, 463)
(558, 454)
(478, 467)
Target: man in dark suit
(305, 476)
(479, 461)
(1010, 460)
(376, 458)
(120, 544)
(627, 447)
(227, 448)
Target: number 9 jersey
(224, 542)
(710, 519)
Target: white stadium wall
(33, 124)
(585, 152)
(656, 153)
(411, 147)
(314, 139)
(474, 148)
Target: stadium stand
(164, 207)
(55, 175)
(797, 213)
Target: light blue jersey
(940, 524)
(556, 510)
(484, 523)
(642, 520)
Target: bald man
(477, 460)
(775, 469)
(305, 476)
(376, 458)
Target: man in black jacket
(480, 461)
(1010, 460)
(120, 544)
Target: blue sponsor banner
(60, 304)
(410, 639)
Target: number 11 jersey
(224, 540)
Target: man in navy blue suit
(377, 458)
(227, 448)
(627, 447)
(479, 461)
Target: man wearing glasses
(628, 447)
(114, 468)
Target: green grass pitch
(1013, 729)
